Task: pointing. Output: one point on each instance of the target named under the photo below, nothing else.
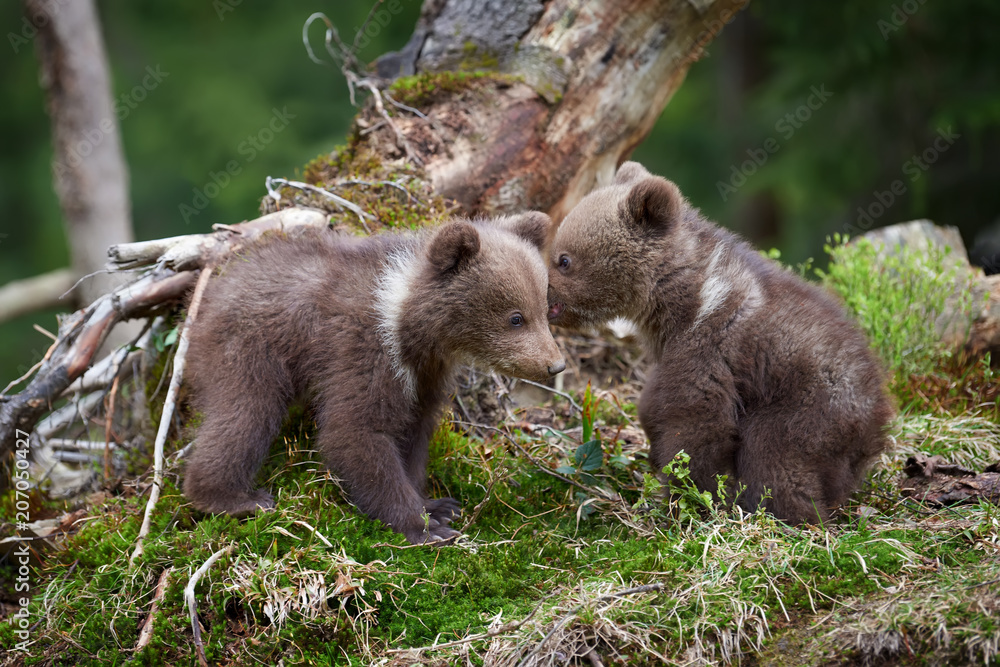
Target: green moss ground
(315, 583)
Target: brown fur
(759, 375)
(370, 331)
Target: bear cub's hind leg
(230, 447)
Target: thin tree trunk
(89, 167)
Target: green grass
(901, 300)
(316, 583)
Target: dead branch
(336, 199)
(80, 445)
(79, 407)
(19, 297)
(80, 335)
(371, 184)
(168, 410)
(109, 369)
(940, 483)
(109, 416)
(146, 633)
(594, 658)
(350, 68)
(192, 604)
(573, 404)
(183, 253)
(380, 109)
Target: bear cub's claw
(443, 510)
(435, 520)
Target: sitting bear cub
(370, 331)
(759, 375)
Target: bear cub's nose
(557, 368)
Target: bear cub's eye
(563, 262)
(516, 320)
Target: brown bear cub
(759, 375)
(370, 331)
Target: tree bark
(593, 79)
(89, 171)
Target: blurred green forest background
(800, 117)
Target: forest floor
(569, 557)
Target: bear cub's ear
(532, 226)
(452, 245)
(653, 203)
(630, 172)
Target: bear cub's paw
(240, 505)
(443, 509)
(434, 522)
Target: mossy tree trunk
(580, 85)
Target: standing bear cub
(759, 375)
(370, 331)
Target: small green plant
(588, 410)
(685, 498)
(651, 497)
(588, 458)
(802, 268)
(165, 339)
(898, 299)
